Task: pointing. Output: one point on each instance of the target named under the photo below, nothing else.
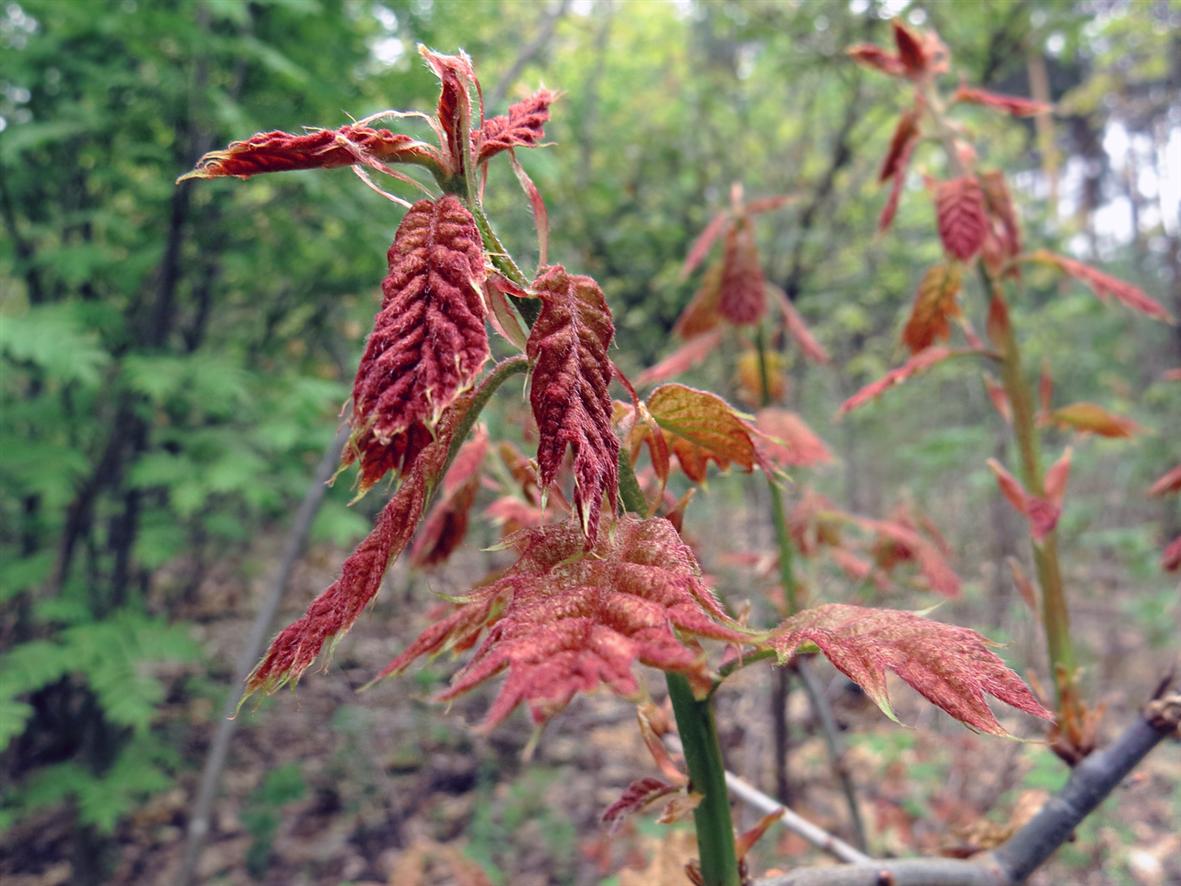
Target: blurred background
(174, 360)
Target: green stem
(787, 576)
(503, 262)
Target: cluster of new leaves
(565, 620)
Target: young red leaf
(701, 246)
(877, 58)
(568, 390)
(537, 204)
(814, 522)
(1000, 400)
(906, 133)
(332, 613)
(1167, 483)
(1057, 478)
(787, 441)
(747, 839)
(742, 300)
(934, 305)
(1010, 104)
(900, 167)
(456, 76)
(1089, 418)
(952, 667)
(377, 458)
(522, 127)
(963, 224)
(702, 314)
(898, 541)
(1170, 560)
(920, 362)
(446, 525)
(701, 427)
(911, 50)
(640, 794)
(1000, 206)
(684, 358)
(797, 328)
(639, 429)
(1104, 285)
(567, 619)
(1042, 513)
(318, 149)
(428, 341)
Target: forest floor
(327, 786)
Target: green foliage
(264, 813)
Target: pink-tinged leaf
(1170, 560)
(911, 50)
(963, 222)
(429, 340)
(701, 246)
(1010, 104)
(701, 427)
(999, 203)
(952, 667)
(1104, 285)
(522, 127)
(787, 441)
(1023, 584)
(640, 794)
(1042, 513)
(568, 389)
(1000, 400)
(446, 524)
(512, 514)
(901, 166)
(920, 362)
(456, 77)
(540, 213)
(877, 58)
(566, 620)
(1009, 485)
(794, 323)
(332, 613)
(906, 133)
(701, 315)
(318, 149)
(743, 299)
(898, 540)
(934, 307)
(640, 429)
(684, 358)
(1057, 478)
(814, 522)
(503, 316)
(1168, 483)
(1090, 418)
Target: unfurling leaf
(684, 358)
(901, 165)
(1104, 285)
(446, 524)
(428, 341)
(1042, 513)
(565, 620)
(911, 50)
(1167, 483)
(522, 127)
(797, 328)
(1089, 418)
(750, 376)
(705, 240)
(568, 390)
(742, 300)
(963, 223)
(1010, 104)
(787, 441)
(1170, 560)
(920, 362)
(317, 149)
(934, 305)
(456, 77)
(906, 133)
(701, 427)
(952, 667)
(332, 613)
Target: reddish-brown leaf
(332, 613)
(898, 540)
(639, 429)
(797, 328)
(565, 619)
(877, 58)
(701, 246)
(1004, 214)
(701, 427)
(1170, 560)
(446, 524)
(920, 362)
(1167, 483)
(906, 133)
(952, 667)
(742, 300)
(787, 441)
(377, 458)
(1104, 285)
(684, 358)
(934, 306)
(1010, 104)
(456, 78)
(901, 165)
(640, 794)
(522, 127)
(428, 341)
(702, 314)
(963, 223)
(911, 50)
(568, 390)
(317, 149)
(1090, 418)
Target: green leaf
(51, 337)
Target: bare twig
(1013, 861)
(215, 761)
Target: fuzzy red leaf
(522, 127)
(906, 133)
(428, 341)
(797, 328)
(568, 391)
(934, 306)
(569, 619)
(318, 149)
(742, 300)
(1170, 560)
(701, 246)
(702, 314)
(456, 76)
(963, 223)
(877, 58)
(1010, 104)
(684, 358)
(1089, 418)
(952, 667)
(640, 794)
(920, 362)
(378, 459)
(701, 427)
(1104, 285)
(446, 525)
(787, 441)
(1167, 483)
(898, 540)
